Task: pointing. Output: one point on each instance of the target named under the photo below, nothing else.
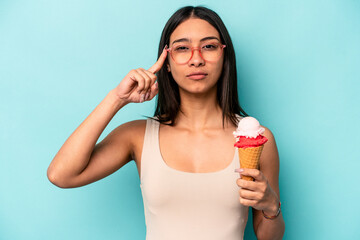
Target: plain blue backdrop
(298, 65)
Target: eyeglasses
(210, 51)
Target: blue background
(298, 64)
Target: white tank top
(181, 205)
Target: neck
(199, 111)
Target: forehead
(194, 29)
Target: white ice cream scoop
(249, 127)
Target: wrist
(117, 102)
(272, 210)
(271, 214)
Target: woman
(185, 155)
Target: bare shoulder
(269, 160)
(134, 125)
(133, 131)
(268, 134)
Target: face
(197, 75)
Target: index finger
(157, 66)
(255, 173)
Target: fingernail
(165, 47)
(156, 84)
(239, 170)
(142, 97)
(147, 96)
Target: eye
(209, 47)
(181, 48)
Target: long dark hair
(168, 99)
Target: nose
(196, 58)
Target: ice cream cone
(249, 158)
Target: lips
(197, 75)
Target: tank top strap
(149, 163)
(151, 133)
(237, 161)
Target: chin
(199, 89)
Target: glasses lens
(181, 53)
(211, 51)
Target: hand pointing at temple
(140, 85)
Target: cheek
(218, 69)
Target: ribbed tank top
(181, 205)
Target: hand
(139, 84)
(257, 194)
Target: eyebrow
(201, 40)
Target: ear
(168, 67)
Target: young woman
(185, 155)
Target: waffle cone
(249, 158)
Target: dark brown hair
(168, 98)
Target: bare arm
(269, 166)
(263, 193)
(75, 154)
(79, 161)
